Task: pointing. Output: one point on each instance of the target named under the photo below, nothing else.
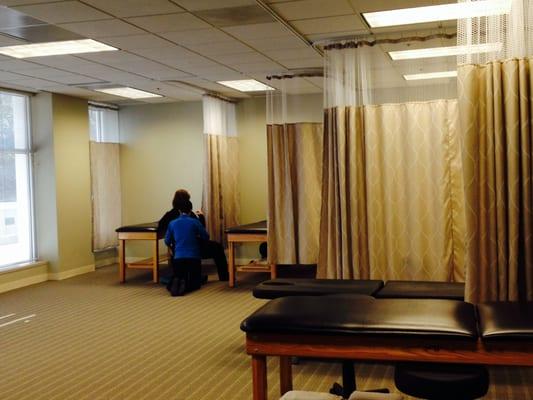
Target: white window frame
(29, 152)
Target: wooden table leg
(122, 261)
(156, 261)
(231, 263)
(285, 374)
(259, 377)
(273, 271)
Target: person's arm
(169, 239)
(202, 233)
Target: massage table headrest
(364, 315)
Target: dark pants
(188, 271)
(214, 250)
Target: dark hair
(185, 206)
(180, 196)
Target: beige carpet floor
(90, 337)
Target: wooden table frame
(241, 237)
(149, 263)
(362, 348)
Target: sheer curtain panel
(220, 200)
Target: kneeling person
(183, 237)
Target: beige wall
(73, 182)
(161, 151)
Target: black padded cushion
(422, 290)
(364, 315)
(256, 227)
(275, 288)
(506, 320)
(442, 381)
(148, 227)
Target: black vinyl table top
(256, 227)
(147, 227)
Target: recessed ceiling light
(55, 48)
(444, 51)
(442, 12)
(430, 75)
(246, 85)
(128, 92)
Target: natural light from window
(16, 228)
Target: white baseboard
(105, 262)
(19, 283)
(57, 276)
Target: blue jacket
(184, 235)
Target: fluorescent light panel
(55, 48)
(442, 12)
(430, 75)
(444, 51)
(128, 92)
(246, 85)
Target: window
(105, 177)
(16, 217)
(103, 123)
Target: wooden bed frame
(366, 348)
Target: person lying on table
(183, 236)
(208, 248)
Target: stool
(442, 381)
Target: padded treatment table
(364, 328)
(256, 232)
(148, 232)
(274, 288)
(422, 290)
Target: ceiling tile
(198, 36)
(266, 68)
(381, 5)
(292, 54)
(97, 29)
(23, 2)
(17, 65)
(285, 42)
(9, 76)
(235, 16)
(134, 8)
(57, 75)
(222, 48)
(312, 9)
(65, 11)
(303, 63)
(259, 31)
(241, 58)
(169, 22)
(144, 41)
(328, 24)
(193, 5)
(9, 41)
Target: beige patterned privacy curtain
(393, 197)
(294, 141)
(294, 181)
(496, 116)
(392, 203)
(220, 199)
